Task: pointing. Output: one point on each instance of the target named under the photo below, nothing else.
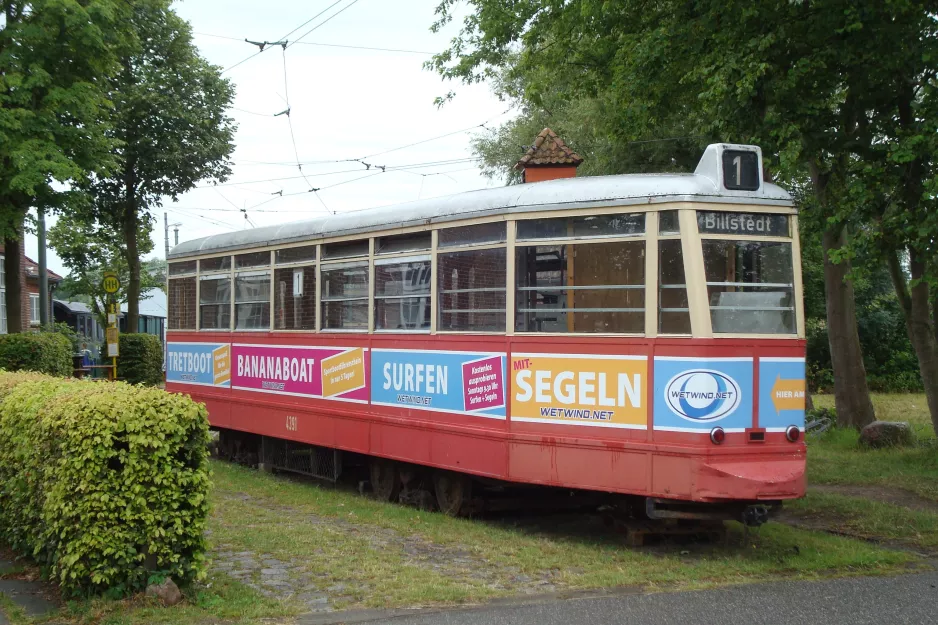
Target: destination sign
(755, 224)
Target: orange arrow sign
(788, 394)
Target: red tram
(636, 334)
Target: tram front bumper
(755, 480)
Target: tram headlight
(717, 435)
(793, 433)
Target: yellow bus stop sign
(111, 283)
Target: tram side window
(587, 287)
(471, 288)
(295, 298)
(252, 300)
(402, 294)
(750, 285)
(215, 303)
(182, 269)
(220, 263)
(344, 296)
(673, 307)
(182, 304)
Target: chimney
(549, 158)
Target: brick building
(29, 304)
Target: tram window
(215, 303)
(471, 287)
(750, 285)
(295, 254)
(183, 268)
(668, 223)
(345, 249)
(494, 232)
(221, 263)
(182, 308)
(344, 296)
(295, 303)
(402, 295)
(413, 242)
(252, 301)
(596, 287)
(673, 307)
(580, 227)
(254, 259)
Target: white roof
(565, 194)
(152, 303)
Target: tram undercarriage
(459, 494)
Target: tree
(54, 58)
(169, 116)
(798, 78)
(89, 251)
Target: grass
(872, 520)
(218, 599)
(835, 457)
(356, 547)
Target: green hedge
(140, 360)
(45, 352)
(104, 484)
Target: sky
(346, 103)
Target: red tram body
(712, 413)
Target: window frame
(402, 258)
(296, 264)
(34, 309)
(215, 275)
(367, 263)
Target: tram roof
(588, 192)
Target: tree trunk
(934, 313)
(851, 393)
(13, 276)
(915, 308)
(133, 257)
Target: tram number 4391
(291, 423)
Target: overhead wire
(264, 47)
(322, 23)
(328, 45)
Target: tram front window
(750, 286)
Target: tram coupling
(752, 515)
(755, 515)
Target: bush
(141, 359)
(104, 484)
(44, 352)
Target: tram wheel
(453, 492)
(385, 482)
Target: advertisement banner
(580, 389)
(781, 393)
(203, 364)
(698, 394)
(327, 372)
(471, 383)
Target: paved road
(903, 600)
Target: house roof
(75, 307)
(548, 149)
(32, 271)
(152, 303)
(31, 268)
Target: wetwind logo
(702, 395)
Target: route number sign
(111, 283)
